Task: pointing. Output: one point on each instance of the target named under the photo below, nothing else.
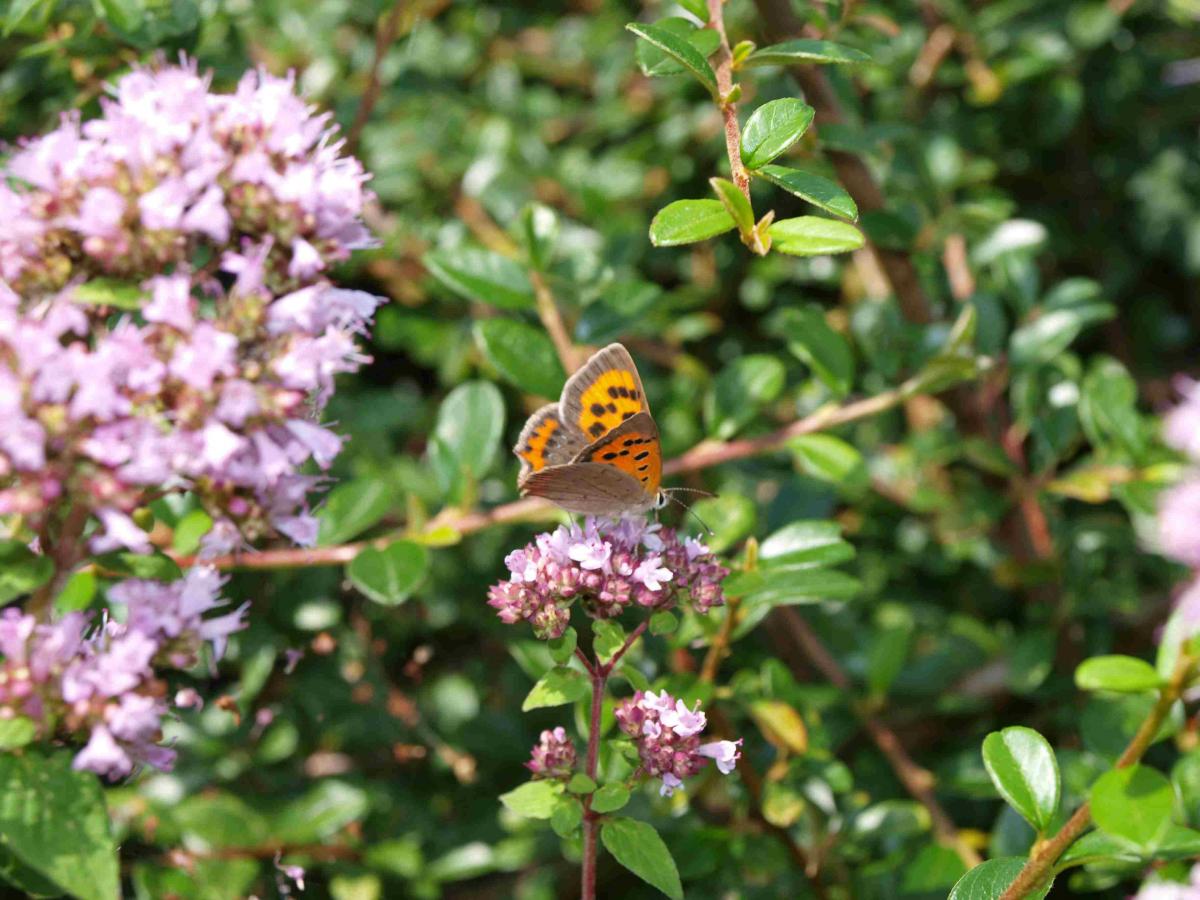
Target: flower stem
(588, 877)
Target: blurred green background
(1047, 150)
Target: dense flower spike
(606, 565)
(164, 317)
(79, 677)
(553, 756)
(666, 733)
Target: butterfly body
(596, 451)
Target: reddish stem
(588, 876)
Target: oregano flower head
(607, 566)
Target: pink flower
(100, 213)
(171, 302)
(209, 216)
(1179, 522)
(670, 784)
(103, 755)
(553, 756)
(665, 733)
(724, 753)
(652, 573)
(592, 555)
(684, 722)
(119, 531)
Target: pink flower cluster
(165, 320)
(666, 733)
(553, 756)
(607, 566)
(73, 677)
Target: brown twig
(704, 455)
(917, 780)
(495, 238)
(1041, 862)
(726, 99)
(552, 321)
(395, 25)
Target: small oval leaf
(772, 128)
(689, 221)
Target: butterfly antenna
(691, 512)
(687, 490)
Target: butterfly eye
(661, 500)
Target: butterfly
(596, 451)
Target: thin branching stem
(1041, 863)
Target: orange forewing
(608, 401)
(636, 453)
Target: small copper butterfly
(596, 451)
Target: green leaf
(821, 192)
(1098, 846)
(109, 292)
(567, 817)
(16, 732)
(470, 422)
(741, 389)
(679, 49)
(772, 129)
(830, 459)
(126, 15)
(54, 821)
(523, 354)
(791, 586)
(539, 234)
(389, 576)
(890, 643)
(219, 819)
(609, 637)
(813, 542)
(557, 687)
(1108, 400)
(688, 221)
(320, 812)
(610, 798)
(533, 799)
(814, 236)
(1047, 336)
(1134, 803)
(190, 530)
(730, 516)
(988, 880)
(21, 570)
(353, 507)
(1022, 766)
(482, 276)
(151, 566)
(655, 62)
(735, 203)
(664, 622)
(18, 875)
(637, 847)
(562, 648)
(19, 10)
(803, 50)
(822, 349)
(581, 784)
(1121, 674)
